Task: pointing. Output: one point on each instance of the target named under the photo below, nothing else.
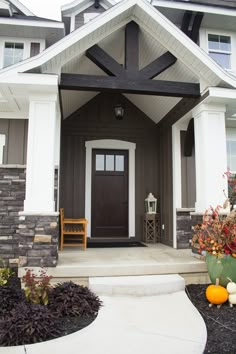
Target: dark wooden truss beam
(186, 22)
(196, 26)
(132, 47)
(158, 66)
(135, 86)
(129, 79)
(194, 21)
(105, 62)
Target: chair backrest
(62, 217)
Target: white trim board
(117, 145)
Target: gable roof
(22, 8)
(148, 18)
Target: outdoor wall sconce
(119, 111)
(151, 204)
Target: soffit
(50, 34)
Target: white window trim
(219, 51)
(117, 145)
(25, 41)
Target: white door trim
(110, 144)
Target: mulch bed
(67, 324)
(220, 322)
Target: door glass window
(119, 163)
(100, 163)
(109, 162)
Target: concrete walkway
(159, 321)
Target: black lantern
(119, 111)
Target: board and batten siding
(15, 149)
(188, 176)
(79, 19)
(95, 121)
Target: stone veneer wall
(183, 227)
(12, 195)
(38, 240)
(13, 229)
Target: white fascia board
(36, 82)
(22, 7)
(194, 7)
(14, 115)
(31, 23)
(130, 9)
(219, 92)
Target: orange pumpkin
(216, 294)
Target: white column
(210, 155)
(41, 155)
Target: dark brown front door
(110, 193)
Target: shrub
(5, 274)
(36, 291)
(28, 323)
(10, 298)
(69, 299)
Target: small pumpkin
(231, 287)
(216, 294)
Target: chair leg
(62, 241)
(85, 237)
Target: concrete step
(149, 285)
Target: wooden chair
(73, 231)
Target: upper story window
(13, 53)
(219, 48)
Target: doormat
(114, 244)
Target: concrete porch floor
(79, 265)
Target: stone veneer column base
(183, 227)
(38, 240)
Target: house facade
(170, 66)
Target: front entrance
(109, 193)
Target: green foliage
(36, 289)
(5, 274)
(69, 299)
(28, 323)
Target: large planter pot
(222, 268)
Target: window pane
(222, 59)
(99, 162)
(225, 43)
(109, 162)
(213, 41)
(13, 53)
(119, 163)
(232, 164)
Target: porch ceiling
(156, 107)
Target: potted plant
(215, 237)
